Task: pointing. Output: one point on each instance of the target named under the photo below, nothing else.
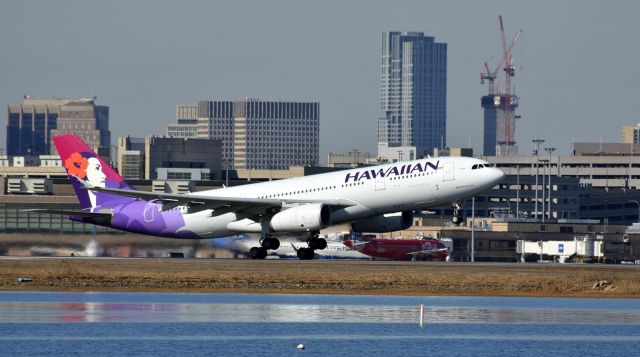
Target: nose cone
(496, 176)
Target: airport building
(517, 197)
(32, 124)
(606, 171)
(413, 92)
(507, 239)
(179, 158)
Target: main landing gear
(314, 243)
(267, 242)
(457, 216)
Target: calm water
(54, 323)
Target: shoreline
(319, 277)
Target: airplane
(334, 250)
(401, 249)
(373, 199)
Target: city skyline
(576, 77)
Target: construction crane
(507, 66)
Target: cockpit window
(480, 166)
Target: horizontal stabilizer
(68, 212)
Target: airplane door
(380, 183)
(149, 212)
(448, 171)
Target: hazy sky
(578, 69)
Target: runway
(320, 276)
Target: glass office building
(413, 91)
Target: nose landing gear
(457, 215)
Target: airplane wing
(171, 200)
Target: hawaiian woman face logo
(95, 176)
(86, 167)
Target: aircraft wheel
(318, 243)
(456, 219)
(263, 253)
(309, 253)
(321, 243)
(255, 253)
(305, 253)
(275, 243)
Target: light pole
(550, 150)
(537, 142)
(518, 192)
(473, 228)
(638, 203)
(544, 173)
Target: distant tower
(495, 116)
(499, 106)
(414, 91)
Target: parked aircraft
(289, 249)
(371, 199)
(401, 249)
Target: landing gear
(457, 216)
(266, 243)
(318, 243)
(305, 253)
(270, 243)
(257, 253)
(315, 243)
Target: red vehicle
(401, 249)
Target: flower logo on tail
(76, 165)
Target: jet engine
(303, 218)
(384, 223)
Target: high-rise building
(495, 106)
(631, 134)
(32, 124)
(187, 125)
(414, 91)
(259, 134)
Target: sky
(576, 61)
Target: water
(160, 324)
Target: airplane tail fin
(83, 164)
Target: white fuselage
(370, 191)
